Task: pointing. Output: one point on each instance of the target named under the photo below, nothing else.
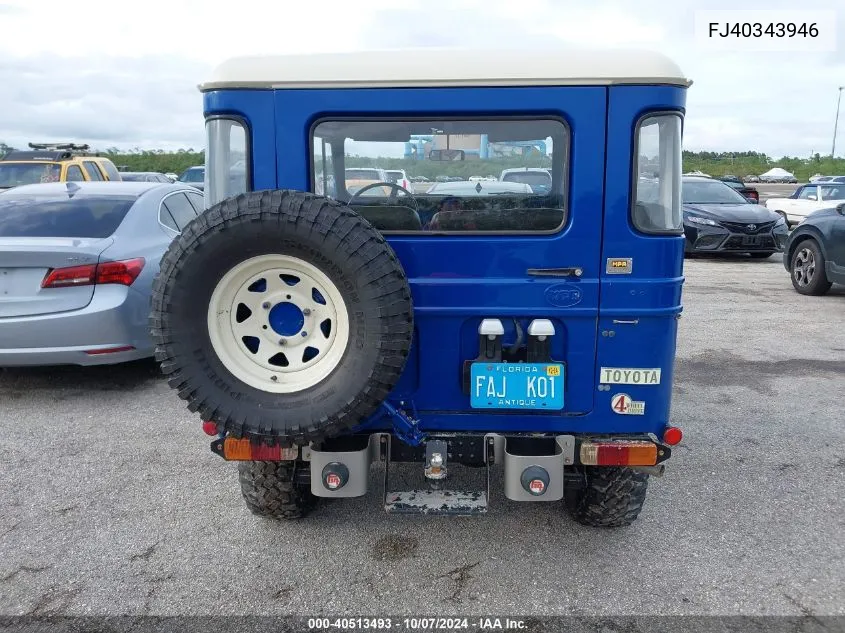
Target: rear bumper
(534, 468)
(115, 318)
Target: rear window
(133, 177)
(539, 181)
(446, 161)
(80, 216)
(193, 175)
(16, 174)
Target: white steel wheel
(278, 323)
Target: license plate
(751, 240)
(534, 386)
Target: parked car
(806, 199)
(54, 162)
(398, 177)
(144, 176)
(466, 188)
(698, 173)
(736, 183)
(539, 179)
(173, 177)
(750, 178)
(815, 251)
(77, 262)
(356, 178)
(194, 176)
(717, 219)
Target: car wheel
(807, 269)
(272, 489)
(606, 496)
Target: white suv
(399, 177)
(538, 178)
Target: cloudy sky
(124, 74)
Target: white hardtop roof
(448, 67)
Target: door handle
(573, 271)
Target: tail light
(123, 272)
(620, 453)
(244, 450)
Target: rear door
(546, 267)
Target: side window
(809, 193)
(166, 218)
(324, 184)
(74, 174)
(833, 193)
(226, 173)
(91, 169)
(111, 170)
(197, 200)
(657, 175)
(180, 208)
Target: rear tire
(806, 269)
(271, 489)
(609, 497)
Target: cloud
(128, 78)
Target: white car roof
(448, 67)
(523, 170)
(466, 188)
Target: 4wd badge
(619, 265)
(622, 404)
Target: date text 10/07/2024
(477, 623)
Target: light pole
(836, 122)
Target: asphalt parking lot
(113, 504)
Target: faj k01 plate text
(537, 386)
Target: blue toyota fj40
(526, 324)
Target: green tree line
(742, 163)
(144, 160)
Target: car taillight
(618, 453)
(122, 272)
(71, 276)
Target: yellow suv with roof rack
(54, 162)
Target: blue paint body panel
(456, 281)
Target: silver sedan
(77, 261)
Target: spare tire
(281, 316)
